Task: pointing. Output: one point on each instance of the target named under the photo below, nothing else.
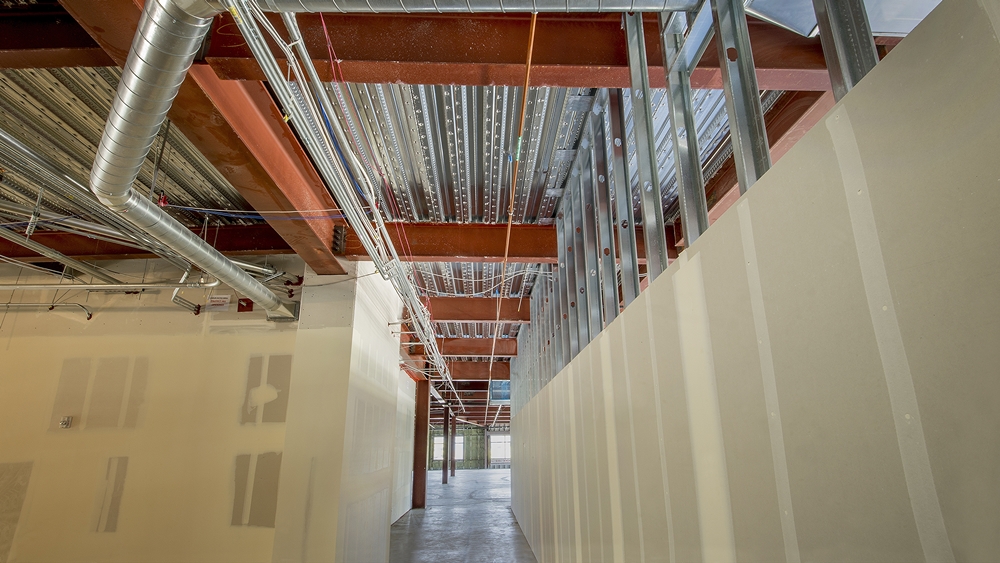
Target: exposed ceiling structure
(431, 105)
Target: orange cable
(510, 207)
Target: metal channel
(558, 294)
(621, 194)
(683, 125)
(751, 151)
(567, 278)
(605, 217)
(555, 342)
(848, 45)
(651, 202)
(592, 246)
(581, 294)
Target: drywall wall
(815, 379)
(402, 461)
(369, 452)
(218, 437)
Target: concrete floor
(468, 520)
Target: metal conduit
(65, 187)
(47, 252)
(170, 32)
(108, 286)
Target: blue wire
(336, 146)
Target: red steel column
(445, 457)
(420, 444)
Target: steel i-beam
(651, 201)
(445, 458)
(420, 434)
(751, 150)
(687, 159)
(848, 45)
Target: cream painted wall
(815, 379)
(178, 498)
(368, 478)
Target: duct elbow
(170, 32)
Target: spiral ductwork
(170, 32)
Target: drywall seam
(671, 548)
(787, 516)
(992, 9)
(571, 398)
(611, 431)
(902, 394)
(553, 483)
(597, 460)
(715, 514)
(619, 328)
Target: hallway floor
(467, 520)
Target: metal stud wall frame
(626, 156)
(574, 300)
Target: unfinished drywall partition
(149, 468)
(402, 461)
(815, 379)
(218, 437)
(375, 378)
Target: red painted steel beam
(455, 242)
(437, 411)
(571, 50)
(46, 41)
(478, 310)
(465, 347)
(479, 371)
(230, 240)
(466, 385)
(249, 109)
(505, 347)
(420, 442)
(271, 184)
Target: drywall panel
(815, 378)
(402, 487)
(367, 481)
(315, 429)
(146, 471)
(744, 414)
(218, 437)
(686, 529)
